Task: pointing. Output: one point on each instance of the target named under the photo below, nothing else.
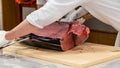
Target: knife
(16, 41)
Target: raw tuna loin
(70, 34)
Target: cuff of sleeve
(3, 40)
(3, 34)
(32, 22)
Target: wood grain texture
(9, 12)
(82, 56)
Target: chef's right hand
(74, 14)
(3, 41)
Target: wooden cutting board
(82, 56)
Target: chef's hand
(3, 41)
(74, 14)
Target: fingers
(74, 15)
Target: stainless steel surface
(17, 61)
(110, 64)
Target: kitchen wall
(26, 11)
(0, 15)
(94, 23)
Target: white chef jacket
(105, 10)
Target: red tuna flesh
(70, 34)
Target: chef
(105, 10)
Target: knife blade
(16, 41)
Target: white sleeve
(108, 11)
(52, 11)
(40, 2)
